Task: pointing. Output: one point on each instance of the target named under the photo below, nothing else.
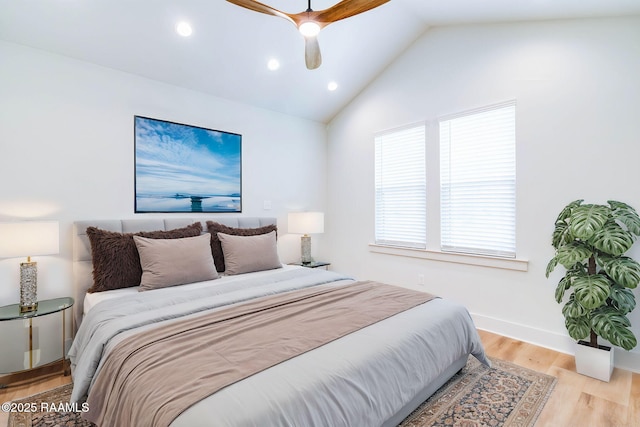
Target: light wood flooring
(576, 401)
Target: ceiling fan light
(309, 28)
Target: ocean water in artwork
(151, 203)
(181, 168)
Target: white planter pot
(594, 362)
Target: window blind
(400, 199)
(478, 181)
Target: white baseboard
(628, 360)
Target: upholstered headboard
(82, 264)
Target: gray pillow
(216, 248)
(170, 262)
(244, 254)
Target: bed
(374, 375)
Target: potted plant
(590, 242)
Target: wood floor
(577, 401)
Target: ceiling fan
(310, 22)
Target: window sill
(483, 261)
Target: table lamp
(306, 223)
(29, 238)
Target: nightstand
(9, 314)
(313, 264)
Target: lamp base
(305, 249)
(28, 308)
(28, 286)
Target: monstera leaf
(563, 285)
(561, 235)
(591, 291)
(579, 328)
(571, 253)
(551, 265)
(566, 212)
(612, 239)
(562, 232)
(586, 220)
(626, 215)
(573, 309)
(622, 299)
(622, 270)
(613, 326)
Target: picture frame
(185, 168)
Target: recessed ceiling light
(184, 29)
(332, 86)
(273, 64)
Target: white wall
(66, 152)
(578, 136)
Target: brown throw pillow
(216, 248)
(116, 263)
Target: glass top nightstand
(48, 306)
(32, 343)
(313, 264)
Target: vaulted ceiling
(228, 51)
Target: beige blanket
(150, 378)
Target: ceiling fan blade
(345, 9)
(312, 55)
(262, 8)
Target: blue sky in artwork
(179, 159)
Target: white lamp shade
(29, 238)
(306, 222)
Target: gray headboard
(82, 265)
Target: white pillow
(170, 262)
(244, 254)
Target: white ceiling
(227, 54)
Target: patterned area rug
(504, 395)
(47, 409)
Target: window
(400, 199)
(478, 182)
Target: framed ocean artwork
(184, 168)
